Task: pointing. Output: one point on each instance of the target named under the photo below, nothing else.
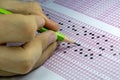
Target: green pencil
(60, 36)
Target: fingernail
(41, 22)
(52, 37)
(57, 25)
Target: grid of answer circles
(71, 64)
(104, 10)
(87, 34)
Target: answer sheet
(95, 25)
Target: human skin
(21, 26)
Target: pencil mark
(91, 54)
(98, 36)
(69, 21)
(90, 33)
(61, 29)
(68, 43)
(85, 34)
(100, 47)
(83, 26)
(68, 46)
(106, 40)
(75, 50)
(64, 52)
(111, 46)
(97, 43)
(103, 49)
(103, 35)
(73, 26)
(91, 57)
(85, 31)
(81, 49)
(100, 54)
(75, 29)
(92, 37)
(47, 14)
(111, 49)
(60, 23)
(81, 53)
(93, 34)
(63, 44)
(85, 55)
(68, 27)
(89, 49)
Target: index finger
(28, 8)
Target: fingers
(5, 73)
(46, 54)
(42, 41)
(18, 6)
(50, 24)
(19, 28)
(28, 8)
(22, 59)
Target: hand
(21, 26)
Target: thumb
(47, 53)
(47, 38)
(50, 24)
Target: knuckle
(26, 66)
(26, 62)
(28, 27)
(52, 33)
(33, 8)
